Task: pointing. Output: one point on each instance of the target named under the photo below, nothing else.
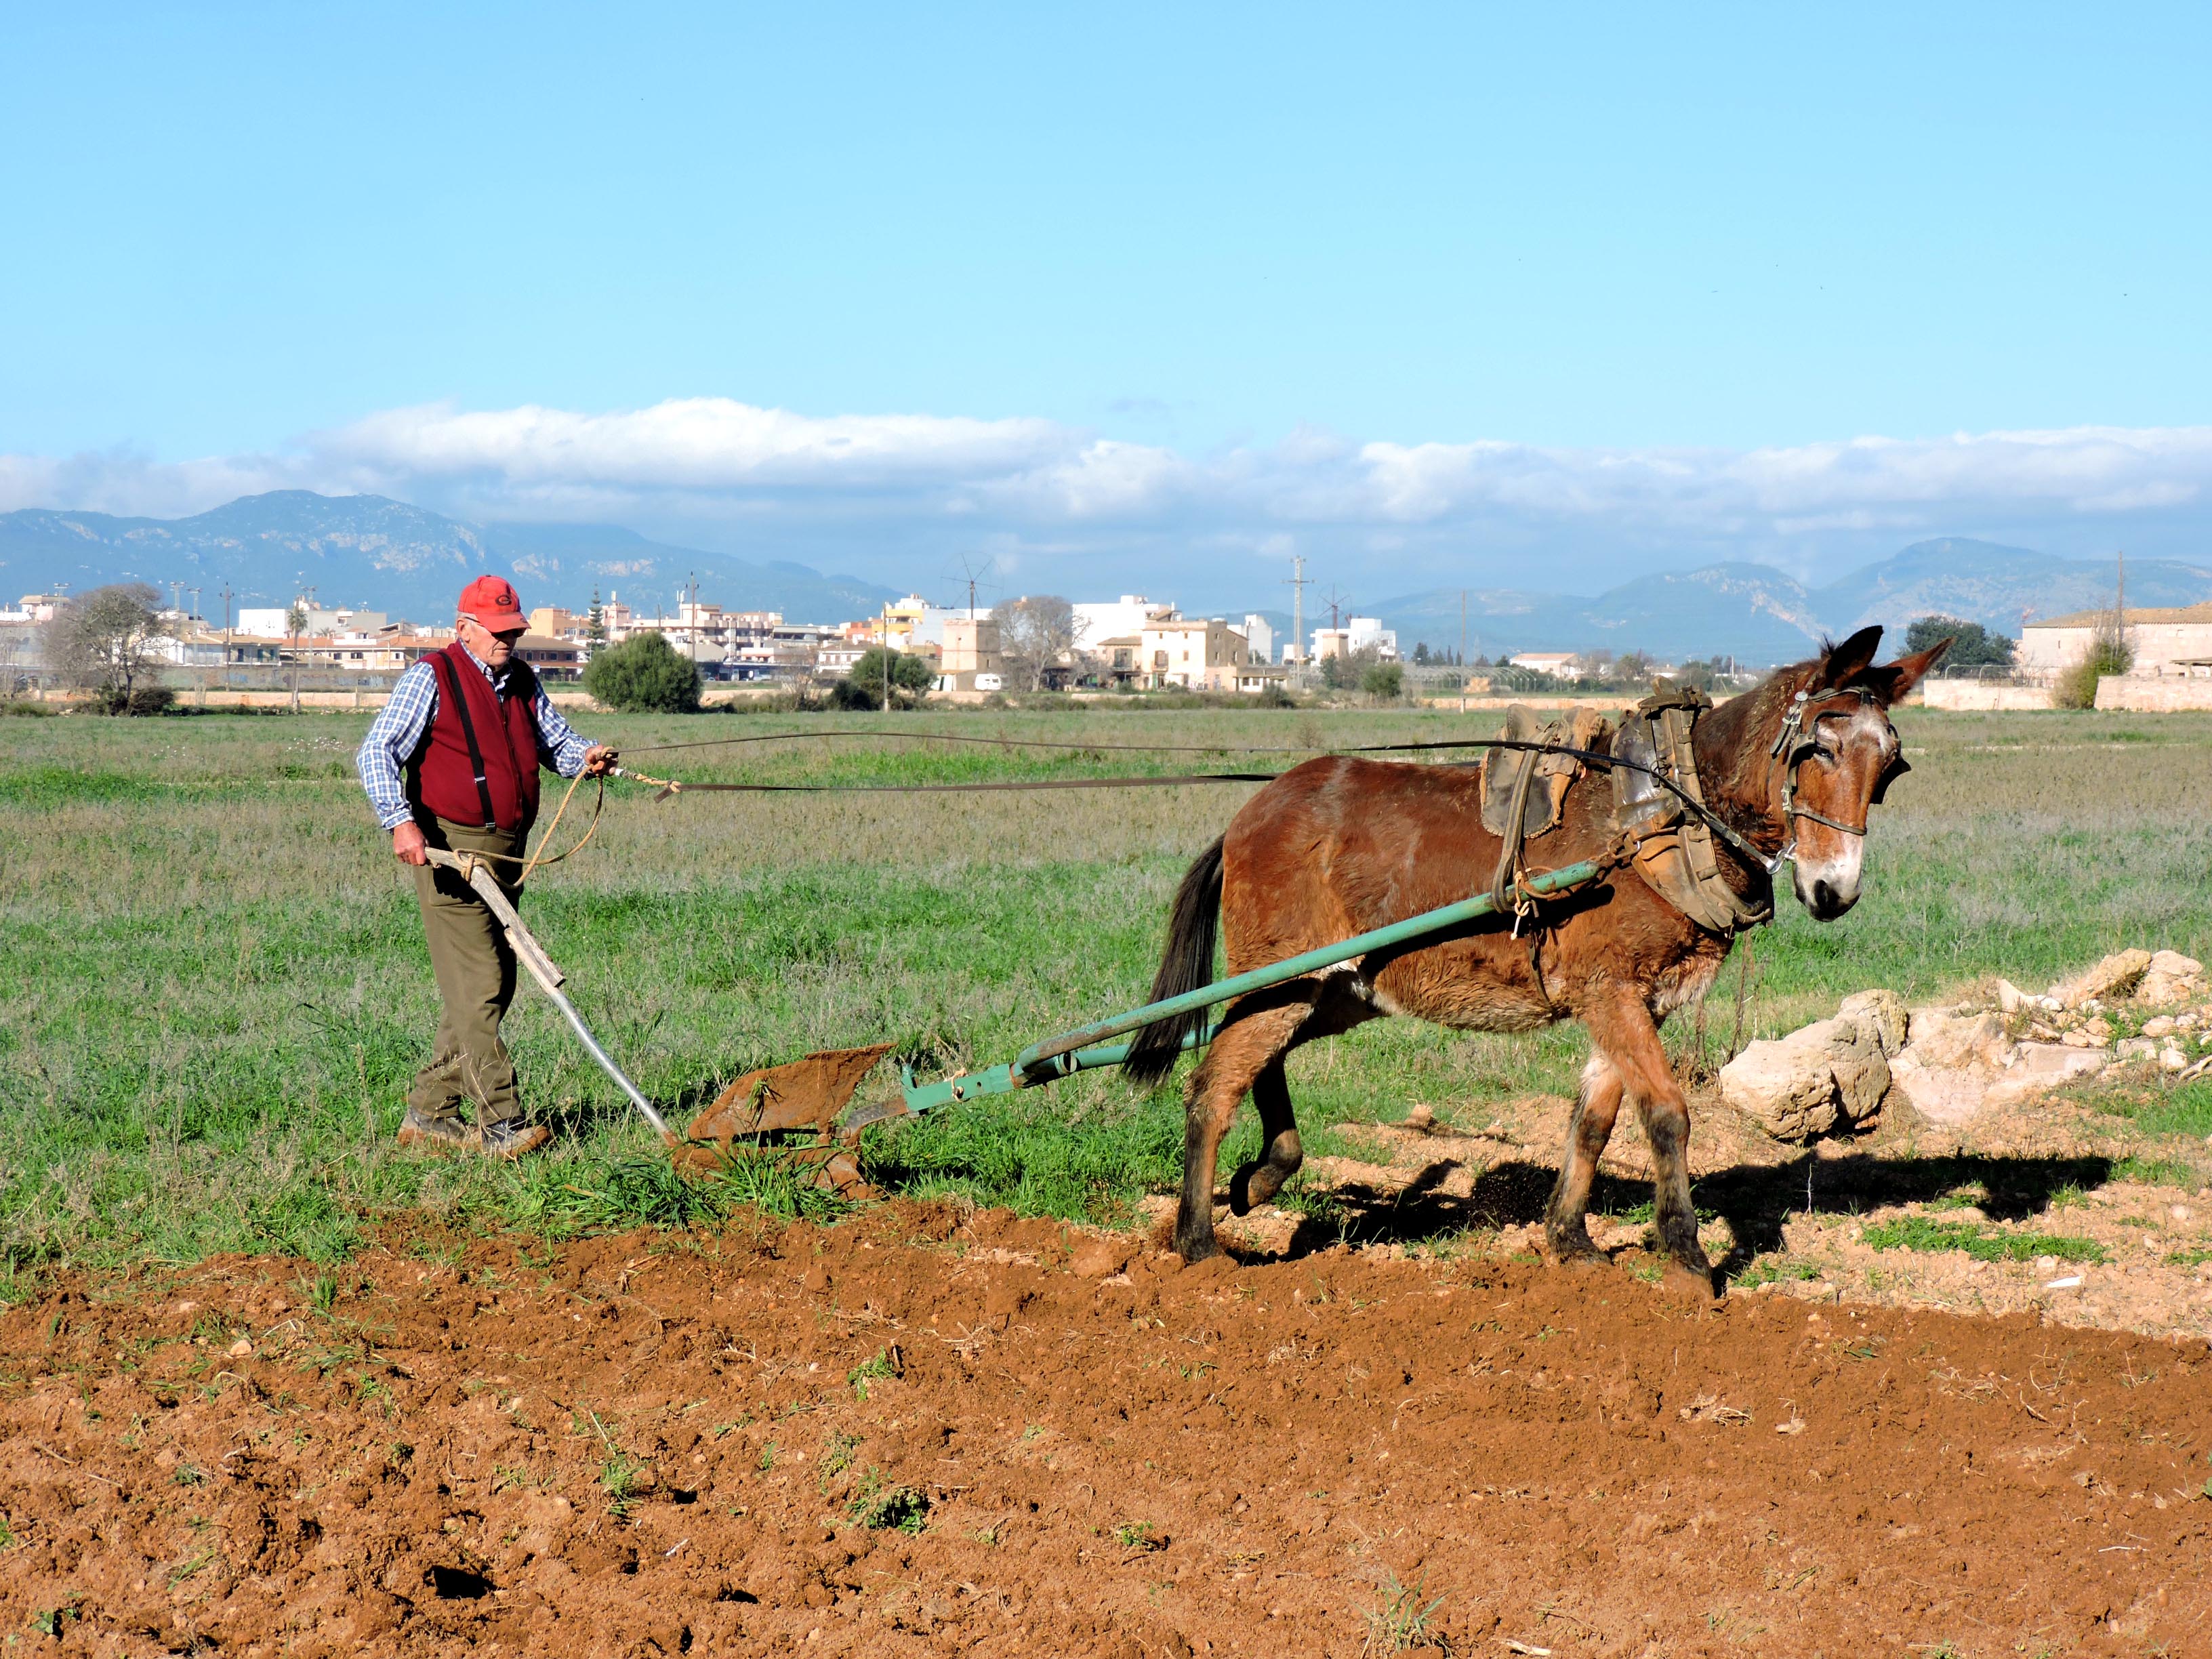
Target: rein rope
(671, 786)
(1792, 745)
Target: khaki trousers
(476, 978)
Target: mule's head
(1840, 755)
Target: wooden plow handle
(477, 873)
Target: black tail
(1187, 964)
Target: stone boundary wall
(1982, 695)
(2167, 694)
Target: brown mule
(1341, 845)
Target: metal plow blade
(797, 1098)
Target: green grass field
(214, 992)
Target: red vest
(477, 762)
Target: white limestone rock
(1832, 1073)
(2116, 975)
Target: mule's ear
(1893, 682)
(1846, 662)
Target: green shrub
(863, 689)
(1386, 680)
(2109, 653)
(643, 675)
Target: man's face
(495, 649)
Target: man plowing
(452, 761)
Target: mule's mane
(1734, 744)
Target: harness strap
(446, 673)
(1794, 746)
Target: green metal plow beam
(1087, 1048)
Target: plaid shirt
(397, 729)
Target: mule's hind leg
(1280, 1154)
(1629, 1038)
(1597, 1103)
(1239, 1056)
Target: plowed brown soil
(661, 1444)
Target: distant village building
(271, 620)
(34, 608)
(1097, 622)
(1359, 633)
(392, 650)
(969, 658)
(1196, 654)
(1261, 635)
(1561, 665)
(2175, 641)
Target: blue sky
(1126, 288)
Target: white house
(1562, 664)
(1097, 620)
(1262, 636)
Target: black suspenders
(468, 734)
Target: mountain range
(387, 555)
(381, 555)
(1762, 615)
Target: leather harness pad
(1675, 851)
(1546, 801)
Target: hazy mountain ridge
(1765, 615)
(407, 561)
(391, 556)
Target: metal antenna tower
(1297, 582)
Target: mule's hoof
(1682, 1280)
(1241, 1199)
(1195, 1250)
(1575, 1253)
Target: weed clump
(1919, 1232)
(1399, 1620)
(882, 1507)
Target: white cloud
(702, 462)
(689, 443)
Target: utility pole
(887, 656)
(1298, 584)
(226, 635)
(1462, 651)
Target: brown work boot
(437, 1134)
(511, 1138)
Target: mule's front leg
(1597, 1103)
(1629, 1038)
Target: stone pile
(2133, 1007)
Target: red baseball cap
(492, 601)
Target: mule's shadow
(1754, 1199)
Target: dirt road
(905, 1435)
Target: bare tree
(1035, 633)
(104, 641)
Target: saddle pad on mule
(1549, 777)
